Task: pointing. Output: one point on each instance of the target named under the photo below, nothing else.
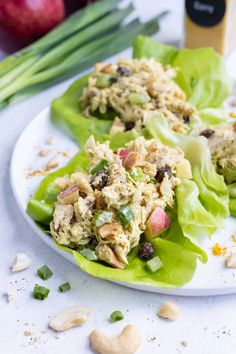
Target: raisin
(123, 71)
(186, 119)
(146, 251)
(82, 194)
(161, 173)
(103, 179)
(129, 126)
(207, 133)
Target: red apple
(157, 223)
(30, 19)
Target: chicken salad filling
(222, 144)
(134, 89)
(124, 193)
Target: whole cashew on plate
(127, 342)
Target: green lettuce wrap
(201, 74)
(211, 191)
(179, 248)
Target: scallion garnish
(116, 316)
(64, 287)
(40, 292)
(100, 166)
(154, 264)
(44, 272)
(125, 215)
(89, 254)
(102, 217)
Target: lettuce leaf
(179, 248)
(208, 194)
(201, 74)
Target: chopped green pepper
(40, 211)
(40, 292)
(101, 218)
(125, 215)
(89, 254)
(44, 272)
(138, 98)
(116, 316)
(64, 287)
(154, 264)
(104, 81)
(100, 166)
(136, 173)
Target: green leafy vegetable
(44, 272)
(40, 292)
(206, 197)
(232, 206)
(202, 75)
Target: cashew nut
(230, 261)
(71, 317)
(20, 262)
(169, 310)
(128, 341)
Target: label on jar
(206, 13)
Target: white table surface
(207, 324)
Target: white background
(207, 324)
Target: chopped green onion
(154, 264)
(104, 81)
(89, 254)
(44, 272)
(40, 292)
(64, 287)
(138, 98)
(101, 218)
(40, 211)
(125, 215)
(116, 316)
(153, 181)
(100, 166)
(136, 173)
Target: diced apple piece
(157, 223)
(133, 159)
(183, 170)
(123, 153)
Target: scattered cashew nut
(20, 262)
(230, 261)
(71, 317)
(170, 311)
(128, 341)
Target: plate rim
(180, 291)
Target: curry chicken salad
(132, 90)
(127, 192)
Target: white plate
(210, 279)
